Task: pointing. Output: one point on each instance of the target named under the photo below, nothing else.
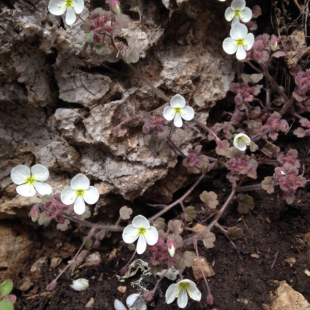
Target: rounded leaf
(6, 287)
(6, 305)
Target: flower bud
(146, 128)
(210, 300)
(171, 247)
(34, 213)
(256, 11)
(274, 43)
(115, 6)
(51, 286)
(148, 295)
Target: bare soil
(273, 233)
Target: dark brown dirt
(273, 232)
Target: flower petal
(238, 31)
(235, 21)
(177, 101)
(140, 221)
(130, 234)
(19, 174)
(187, 113)
(68, 195)
(43, 188)
(141, 245)
(178, 121)
(78, 6)
(229, 14)
(118, 305)
(168, 113)
(79, 206)
(171, 293)
(151, 235)
(182, 299)
(91, 195)
(241, 53)
(249, 41)
(70, 16)
(40, 172)
(80, 181)
(229, 46)
(26, 190)
(193, 291)
(57, 7)
(246, 15)
(238, 4)
(131, 299)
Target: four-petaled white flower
(73, 7)
(78, 191)
(140, 228)
(241, 141)
(238, 11)
(240, 41)
(80, 284)
(180, 290)
(133, 300)
(178, 110)
(30, 180)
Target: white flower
(171, 274)
(30, 180)
(178, 110)
(80, 284)
(59, 7)
(240, 41)
(241, 141)
(78, 191)
(180, 290)
(238, 11)
(140, 228)
(132, 300)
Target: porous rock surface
(59, 104)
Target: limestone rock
(286, 298)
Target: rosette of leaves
(7, 300)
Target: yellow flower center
(183, 286)
(177, 110)
(31, 180)
(141, 231)
(80, 192)
(240, 42)
(237, 13)
(69, 3)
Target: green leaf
(245, 203)
(190, 214)
(6, 288)
(6, 305)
